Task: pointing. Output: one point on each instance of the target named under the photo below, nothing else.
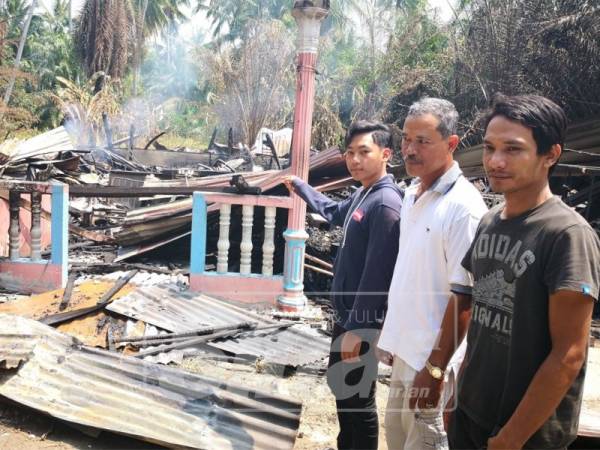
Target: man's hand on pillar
(288, 182)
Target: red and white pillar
(309, 20)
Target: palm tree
(110, 34)
(230, 17)
(103, 36)
(11, 83)
(152, 17)
(549, 47)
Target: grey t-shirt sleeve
(574, 262)
(466, 261)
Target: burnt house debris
(107, 233)
(75, 222)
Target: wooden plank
(248, 200)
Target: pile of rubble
(96, 354)
(114, 349)
(114, 341)
(125, 202)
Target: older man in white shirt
(429, 297)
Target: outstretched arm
(333, 212)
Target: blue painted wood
(198, 250)
(293, 298)
(293, 269)
(60, 226)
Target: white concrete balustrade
(269, 242)
(243, 285)
(246, 246)
(223, 243)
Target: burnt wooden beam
(162, 338)
(213, 137)
(14, 230)
(107, 131)
(147, 146)
(211, 337)
(68, 292)
(148, 191)
(271, 145)
(56, 319)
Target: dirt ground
(318, 425)
(24, 429)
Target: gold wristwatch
(434, 371)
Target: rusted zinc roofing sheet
(171, 309)
(52, 372)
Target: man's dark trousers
(353, 385)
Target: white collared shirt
(435, 234)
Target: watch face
(436, 373)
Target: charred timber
(148, 191)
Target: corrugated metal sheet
(177, 311)
(46, 144)
(96, 388)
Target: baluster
(14, 231)
(246, 245)
(36, 228)
(269, 243)
(223, 243)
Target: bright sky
(445, 11)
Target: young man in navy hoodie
(362, 273)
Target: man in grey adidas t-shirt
(535, 264)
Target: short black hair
(547, 120)
(382, 136)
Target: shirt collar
(444, 183)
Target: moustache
(412, 159)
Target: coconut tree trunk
(11, 83)
(140, 28)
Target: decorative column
(14, 230)
(269, 243)
(36, 227)
(246, 244)
(309, 20)
(223, 243)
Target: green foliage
(230, 18)
(160, 14)
(375, 58)
(49, 54)
(16, 115)
(187, 119)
